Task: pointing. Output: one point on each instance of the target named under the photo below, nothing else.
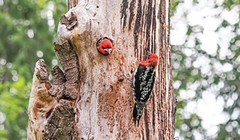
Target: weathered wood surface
(93, 100)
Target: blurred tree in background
(205, 38)
(27, 31)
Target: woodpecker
(143, 79)
(105, 46)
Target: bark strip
(40, 103)
(61, 122)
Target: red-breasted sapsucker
(143, 79)
(105, 46)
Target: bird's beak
(108, 51)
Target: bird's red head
(152, 60)
(105, 46)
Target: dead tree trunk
(90, 99)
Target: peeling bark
(70, 23)
(40, 103)
(72, 3)
(90, 97)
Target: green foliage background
(27, 31)
(210, 78)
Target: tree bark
(90, 99)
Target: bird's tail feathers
(137, 113)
